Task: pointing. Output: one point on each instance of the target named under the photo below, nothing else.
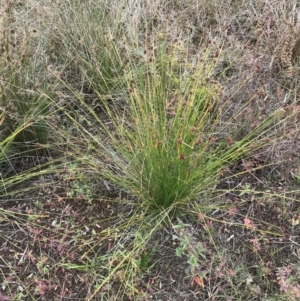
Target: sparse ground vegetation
(149, 150)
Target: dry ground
(58, 240)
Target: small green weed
(189, 246)
(145, 259)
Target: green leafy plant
(80, 187)
(189, 246)
(145, 259)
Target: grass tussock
(149, 150)
(163, 142)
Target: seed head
(179, 140)
(193, 129)
(182, 157)
(229, 141)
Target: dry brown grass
(68, 239)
